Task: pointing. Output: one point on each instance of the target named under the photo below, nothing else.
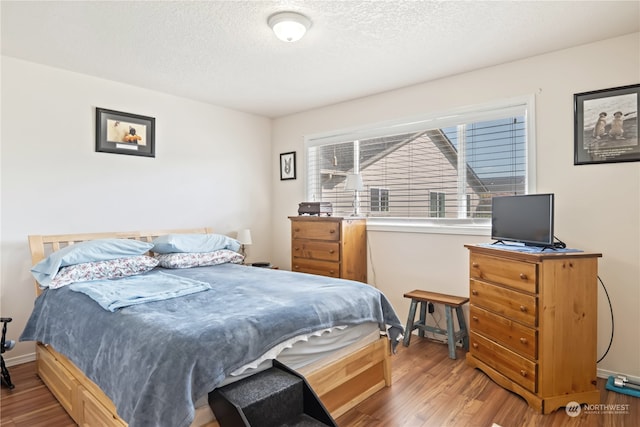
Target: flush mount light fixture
(289, 26)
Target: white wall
(209, 170)
(597, 206)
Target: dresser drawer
(322, 268)
(58, 379)
(316, 230)
(513, 335)
(95, 413)
(516, 274)
(314, 249)
(519, 369)
(504, 301)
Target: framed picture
(288, 166)
(125, 133)
(606, 125)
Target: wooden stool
(450, 302)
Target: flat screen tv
(525, 219)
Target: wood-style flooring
(429, 389)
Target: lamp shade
(354, 182)
(244, 236)
(289, 26)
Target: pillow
(198, 259)
(99, 270)
(174, 243)
(89, 251)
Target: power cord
(612, 323)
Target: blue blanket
(153, 286)
(155, 360)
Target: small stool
(450, 302)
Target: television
(524, 219)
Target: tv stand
(533, 323)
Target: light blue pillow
(174, 243)
(89, 251)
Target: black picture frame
(606, 125)
(288, 166)
(118, 132)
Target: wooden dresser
(329, 246)
(533, 323)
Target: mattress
(304, 353)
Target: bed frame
(341, 385)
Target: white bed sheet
(304, 353)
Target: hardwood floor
(429, 389)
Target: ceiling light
(289, 26)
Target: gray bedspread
(155, 360)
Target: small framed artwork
(606, 125)
(125, 133)
(288, 166)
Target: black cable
(612, 325)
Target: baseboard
(18, 360)
(603, 373)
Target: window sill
(430, 226)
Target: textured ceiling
(223, 52)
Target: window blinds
(422, 170)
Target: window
(379, 199)
(437, 204)
(442, 170)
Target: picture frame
(118, 132)
(288, 166)
(606, 125)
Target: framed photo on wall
(288, 166)
(606, 125)
(125, 133)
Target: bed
(343, 374)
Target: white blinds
(424, 170)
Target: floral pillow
(198, 259)
(99, 270)
(86, 252)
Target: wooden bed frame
(341, 385)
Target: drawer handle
(474, 292)
(297, 230)
(523, 309)
(296, 267)
(523, 276)
(296, 249)
(475, 345)
(475, 318)
(523, 373)
(331, 251)
(332, 231)
(474, 265)
(332, 271)
(523, 340)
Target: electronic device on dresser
(524, 219)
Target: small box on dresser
(533, 323)
(329, 246)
